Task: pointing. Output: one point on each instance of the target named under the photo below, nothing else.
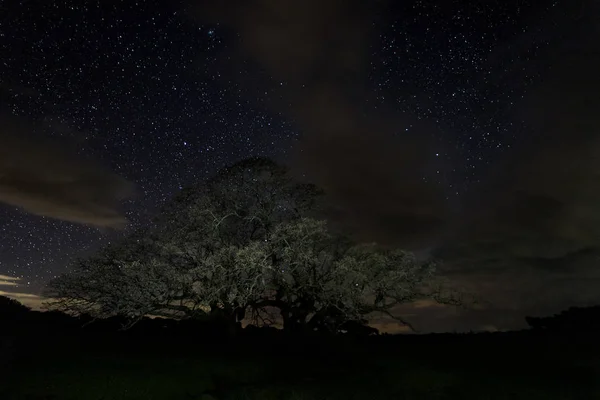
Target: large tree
(320, 280)
(245, 241)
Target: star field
(447, 72)
(160, 99)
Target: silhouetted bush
(10, 308)
(575, 319)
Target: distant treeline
(583, 319)
(15, 317)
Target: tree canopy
(245, 245)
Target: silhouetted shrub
(10, 305)
(581, 319)
(11, 309)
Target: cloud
(528, 241)
(391, 327)
(538, 202)
(542, 200)
(44, 178)
(529, 228)
(6, 278)
(317, 50)
(29, 299)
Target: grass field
(395, 368)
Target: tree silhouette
(10, 307)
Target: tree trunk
(294, 320)
(240, 314)
(227, 319)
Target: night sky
(163, 94)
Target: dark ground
(54, 358)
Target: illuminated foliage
(245, 245)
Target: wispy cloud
(31, 300)
(372, 175)
(45, 177)
(6, 280)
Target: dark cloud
(543, 200)
(317, 50)
(538, 202)
(43, 177)
(529, 238)
(377, 185)
(522, 240)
